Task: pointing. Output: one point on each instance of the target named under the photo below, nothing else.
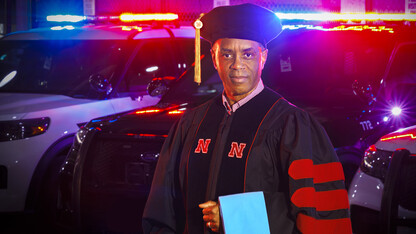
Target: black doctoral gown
(266, 145)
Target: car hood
(402, 138)
(14, 106)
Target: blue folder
(244, 213)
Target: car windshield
(57, 66)
(399, 85)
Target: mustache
(237, 75)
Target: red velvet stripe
(301, 169)
(328, 172)
(321, 173)
(322, 201)
(308, 224)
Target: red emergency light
(410, 135)
(129, 28)
(176, 112)
(148, 111)
(127, 17)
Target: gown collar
(233, 108)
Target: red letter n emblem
(236, 150)
(202, 145)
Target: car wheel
(350, 159)
(46, 208)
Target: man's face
(239, 64)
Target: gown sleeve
(162, 213)
(318, 198)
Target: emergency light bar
(345, 16)
(127, 17)
(123, 17)
(341, 28)
(148, 17)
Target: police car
(391, 105)
(54, 80)
(368, 186)
(113, 158)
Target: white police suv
(53, 80)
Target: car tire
(350, 158)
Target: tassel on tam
(198, 25)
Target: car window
(186, 49)
(184, 53)
(58, 66)
(153, 59)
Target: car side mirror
(364, 92)
(100, 84)
(159, 86)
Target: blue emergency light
(65, 18)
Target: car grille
(123, 160)
(116, 180)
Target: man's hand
(211, 212)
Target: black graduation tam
(245, 21)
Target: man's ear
(263, 57)
(213, 57)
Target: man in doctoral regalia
(247, 139)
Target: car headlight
(21, 129)
(376, 162)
